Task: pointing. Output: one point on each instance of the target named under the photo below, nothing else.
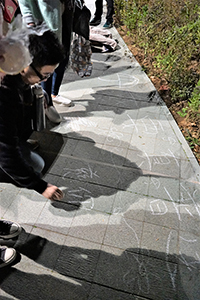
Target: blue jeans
(53, 83)
(33, 159)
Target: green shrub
(170, 29)
(194, 101)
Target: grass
(169, 31)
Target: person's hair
(45, 49)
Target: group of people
(58, 16)
(49, 53)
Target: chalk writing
(75, 124)
(133, 230)
(151, 127)
(82, 173)
(115, 136)
(192, 264)
(158, 207)
(191, 197)
(130, 276)
(169, 139)
(132, 124)
(164, 159)
(78, 193)
(156, 182)
(172, 272)
(88, 204)
(145, 157)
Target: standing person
(18, 164)
(99, 11)
(58, 16)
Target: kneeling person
(18, 165)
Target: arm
(49, 11)
(29, 11)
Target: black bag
(81, 20)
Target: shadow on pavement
(119, 101)
(87, 170)
(94, 274)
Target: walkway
(128, 227)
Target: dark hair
(45, 49)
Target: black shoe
(107, 25)
(95, 22)
(9, 230)
(7, 256)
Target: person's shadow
(85, 170)
(67, 272)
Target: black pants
(99, 10)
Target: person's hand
(52, 192)
(31, 24)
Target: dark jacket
(15, 127)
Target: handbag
(9, 8)
(81, 56)
(81, 20)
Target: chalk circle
(122, 80)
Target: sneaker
(95, 22)
(61, 100)
(9, 230)
(7, 256)
(107, 25)
(104, 49)
(52, 114)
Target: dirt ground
(189, 125)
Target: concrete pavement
(128, 227)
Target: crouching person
(19, 165)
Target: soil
(190, 124)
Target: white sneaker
(62, 100)
(7, 256)
(52, 114)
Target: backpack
(9, 8)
